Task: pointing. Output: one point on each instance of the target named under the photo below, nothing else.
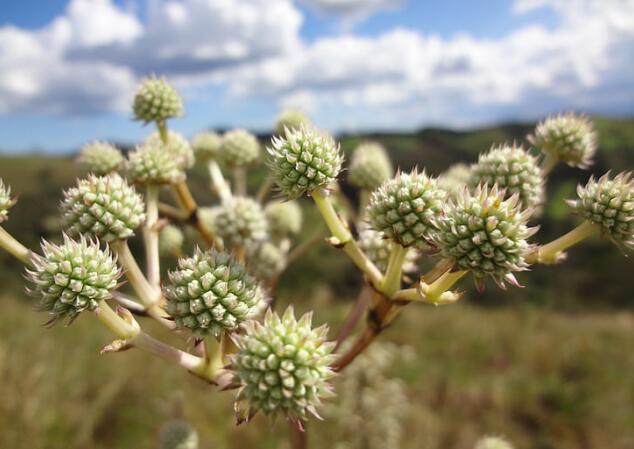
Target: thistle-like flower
(151, 164)
(105, 207)
(486, 234)
(156, 101)
(568, 138)
(239, 148)
(291, 119)
(285, 218)
(493, 443)
(609, 203)
(6, 202)
(206, 145)
(378, 249)
(72, 277)
(100, 158)
(211, 293)
(512, 168)
(240, 221)
(370, 166)
(178, 434)
(406, 209)
(304, 160)
(282, 366)
(265, 260)
(455, 179)
(171, 240)
(177, 147)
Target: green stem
(548, 163)
(550, 252)
(15, 248)
(338, 229)
(442, 284)
(364, 201)
(148, 295)
(120, 327)
(240, 181)
(162, 129)
(392, 279)
(151, 238)
(219, 182)
(265, 188)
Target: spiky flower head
(455, 179)
(239, 148)
(72, 277)
(106, 207)
(100, 158)
(370, 166)
(282, 366)
(6, 202)
(178, 434)
(513, 169)
(206, 145)
(156, 101)
(265, 260)
(171, 240)
(406, 208)
(493, 443)
(303, 160)
(177, 147)
(240, 221)
(568, 138)
(210, 293)
(486, 233)
(291, 119)
(284, 217)
(151, 164)
(378, 249)
(609, 203)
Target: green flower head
(240, 221)
(207, 145)
(370, 166)
(291, 119)
(156, 101)
(100, 158)
(177, 147)
(239, 148)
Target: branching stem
(218, 181)
(552, 251)
(240, 181)
(151, 237)
(15, 248)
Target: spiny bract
(265, 260)
(171, 240)
(210, 293)
(486, 234)
(105, 207)
(282, 365)
(156, 101)
(513, 169)
(240, 221)
(568, 138)
(151, 164)
(378, 249)
(609, 203)
(239, 148)
(303, 160)
(178, 434)
(493, 443)
(72, 277)
(291, 119)
(284, 217)
(206, 145)
(6, 202)
(100, 158)
(370, 166)
(177, 147)
(406, 208)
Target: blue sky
(68, 69)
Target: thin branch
(355, 313)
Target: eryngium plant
(370, 166)
(100, 158)
(225, 292)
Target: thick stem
(189, 205)
(219, 182)
(240, 181)
(362, 342)
(552, 251)
(151, 237)
(121, 328)
(548, 163)
(392, 279)
(148, 294)
(354, 315)
(185, 197)
(264, 190)
(162, 129)
(363, 263)
(297, 435)
(15, 248)
(442, 284)
(438, 270)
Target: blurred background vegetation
(547, 366)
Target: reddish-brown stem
(356, 312)
(297, 435)
(362, 342)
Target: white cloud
(353, 9)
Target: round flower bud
(512, 169)
(485, 233)
(568, 138)
(177, 147)
(378, 248)
(171, 240)
(285, 218)
(370, 166)
(291, 119)
(609, 203)
(304, 160)
(406, 208)
(178, 434)
(6, 202)
(156, 101)
(72, 277)
(206, 145)
(282, 366)
(151, 164)
(492, 443)
(239, 148)
(240, 221)
(210, 293)
(455, 179)
(105, 207)
(265, 260)
(100, 158)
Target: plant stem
(550, 252)
(151, 237)
(188, 203)
(356, 312)
(438, 270)
(218, 181)
(265, 188)
(148, 294)
(185, 197)
(171, 212)
(548, 163)
(364, 201)
(121, 328)
(15, 248)
(392, 279)
(162, 129)
(240, 181)
(442, 284)
(297, 436)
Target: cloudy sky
(68, 69)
